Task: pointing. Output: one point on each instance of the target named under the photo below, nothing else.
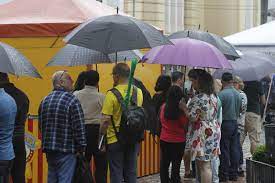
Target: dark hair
(195, 73)
(91, 78)
(176, 76)
(206, 83)
(163, 83)
(80, 82)
(4, 77)
(227, 77)
(122, 70)
(172, 110)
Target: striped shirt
(61, 121)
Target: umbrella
(251, 66)
(187, 52)
(72, 55)
(13, 62)
(114, 33)
(225, 47)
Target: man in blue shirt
(61, 121)
(7, 119)
(231, 109)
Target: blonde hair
(238, 80)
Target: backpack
(133, 120)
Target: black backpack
(133, 120)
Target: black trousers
(100, 158)
(171, 153)
(19, 163)
(5, 169)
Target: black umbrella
(72, 55)
(114, 33)
(13, 62)
(226, 48)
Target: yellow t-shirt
(111, 107)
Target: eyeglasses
(62, 74)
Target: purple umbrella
(187, 52)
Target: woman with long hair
(162, 86)
(205, 133)
(173, 135)
(80, 81)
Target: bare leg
(205, 172)
(187, 161)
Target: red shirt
(173, 131)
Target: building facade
(222, 17)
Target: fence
(36, 171)
(258, 172)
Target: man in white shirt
(91, 101)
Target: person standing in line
(239, 86)
(255, 99)
(8, 111)
(162, 86)
(80, 81)
(193, 76)
(122, 159)
(205, 132)
(61, 121)
(177, 79)
(231, 108)
(173, 135)
(92, 101)
(22, 103)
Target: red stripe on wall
(30, 128)
(40, 161)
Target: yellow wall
(40, 50)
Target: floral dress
(205, 133)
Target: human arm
(107, 112)
(22, 112)
(78, 125)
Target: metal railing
(258, 172)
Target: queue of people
(203, 127)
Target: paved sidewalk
(155, 178)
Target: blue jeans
(122, 162)
(230, 149)
(61, 167)
(215, 163)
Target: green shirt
(231, 103)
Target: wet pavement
(155, 178)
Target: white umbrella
(262, 35)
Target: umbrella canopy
(115, 33)
(72, 55)
(251, 66)
(187, 52)
(262, 35)
(13, 62)
(21, 18)
(226, 48)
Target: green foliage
(261, 155)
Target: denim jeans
(61, 167)
(215, 163)
(122, 162)
(230, 149)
